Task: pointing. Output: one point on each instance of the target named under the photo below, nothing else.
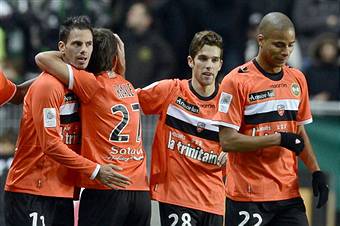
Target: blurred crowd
(157, 34)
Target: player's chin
(81, 66)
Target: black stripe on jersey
(270, 117)
(65, 119)
(190, 129)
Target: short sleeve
(153, 97)
(7, 89)
(231, 104)
(304, 115)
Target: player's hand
(222, 158)
(108, 176)
(120, 66)
(320, 188)
(292, 142)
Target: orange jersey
(49, 138)
(184, 167)
(257, 105)
(7, 89)
(111, 131)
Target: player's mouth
(208, 74)
(82, 60)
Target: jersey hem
(37, 193)
(189, 206)
(246, 199)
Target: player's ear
(61, 47)
(260, 39)
(190, 61)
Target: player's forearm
(232, 141)
(308, 156)
(51, 61)
(21, 91)
(61, 153)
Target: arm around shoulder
(51, 61)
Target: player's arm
(21, 91)
(51, 61)
(319, 182)
(47, 123)
(119, 66)
(233, 141)
(82, 83)
(157, 94)
(308, 156)
(230, 116)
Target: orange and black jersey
(7, 89)
(184, 167)
(257, 104)
(111, 131)
(46, 158)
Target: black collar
(272, 76)
(202, 97)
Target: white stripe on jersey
(69, 109)
(70, 77)
(221, 123)
(191, 119)
(269, 106)
(305, 122)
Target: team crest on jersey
(200, 127)
(296, 89)
(281, 109)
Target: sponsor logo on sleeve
(50, 117)
(224, 102)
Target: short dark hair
(77, 22)
(104, 51)
(202, 38)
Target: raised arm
(119, 65)
(52, 62)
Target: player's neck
(267, 67)
(204, 91)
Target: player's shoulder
(240, 73)
(165, 84)
(46, 81)
(294, 71)
(243, 70)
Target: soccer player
(186, 177)
(111, 133)
(263, 106)
(40, 182)
(9, 92)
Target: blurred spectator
(313, 17)
(295, 59)
(149, 58)
(229, 19)
(323, 74)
